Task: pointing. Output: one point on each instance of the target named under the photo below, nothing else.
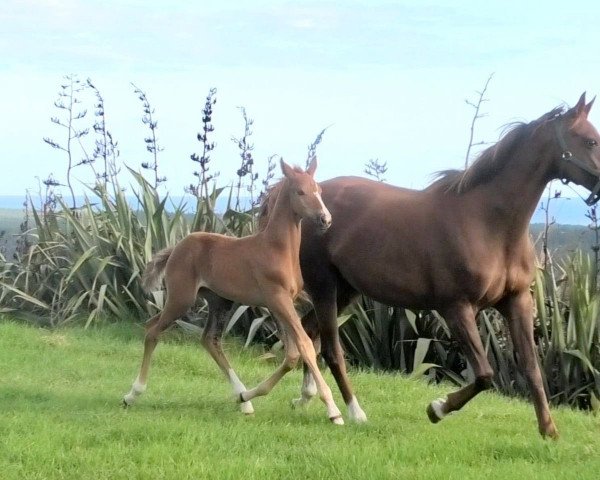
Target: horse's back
(415, 248)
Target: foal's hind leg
(461, 320)
(519, 313)
(218, 309)
(176, 305)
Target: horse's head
(579, 160)
(305, 194)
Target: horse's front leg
(461, 320)
(328, 301)
(518, 310)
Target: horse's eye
(591, 143)
(300, 192)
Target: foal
(258, 270)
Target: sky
(388, 79)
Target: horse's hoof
(337, 420)
(355, 413)
(551, 433)
(246, 408)
(434, 410)
(125, 403)
(359, 417)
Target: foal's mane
(268, 199)
(493, 158)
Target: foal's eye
(591, 143)
(300, 192)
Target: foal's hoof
(435, 411)
(298, 402)
(337, 420)
(125, 402)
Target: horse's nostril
(325, 220)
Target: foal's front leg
(309, 386)
(289, 362)
(282, 307)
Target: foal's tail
(155, 270)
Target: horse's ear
(288, 171)
(588, 107)
(580, 107)
(312, 166)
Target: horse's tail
(155, 270)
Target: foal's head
(579, 141)
(305, 194)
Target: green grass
(60, 417)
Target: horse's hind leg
(461, 321)
(218, 309)
(176, 305)
(518, 311)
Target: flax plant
(68, 102)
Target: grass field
(60, 417)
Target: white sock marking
(356, 413)
(437, 405)
(238, 387)
(136, 390)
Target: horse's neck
(514, 193)
(283, 227)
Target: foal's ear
(288, 171)
(312, 166)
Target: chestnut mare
(261, 269)
(458, 246)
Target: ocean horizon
(563, 210)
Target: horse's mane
(493, 158)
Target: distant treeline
(563, 240)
